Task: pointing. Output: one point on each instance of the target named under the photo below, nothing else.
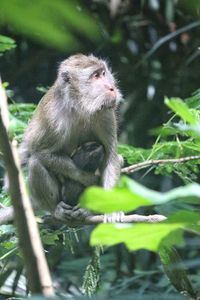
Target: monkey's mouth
(109, 104)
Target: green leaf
(135, 237)
(190, 219)
(50, 239)
(182, 110)
(6, 43)
(112, 200)
(175, 270)
(194, 100)
(133, 154)
(54, 23)
(16, 125)
(147, 236)
(7, 229)
(130, 195)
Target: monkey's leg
(43, 185)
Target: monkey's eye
(96, 75)
(103, 73)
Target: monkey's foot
(115, 217)
(72, 215)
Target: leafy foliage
(54, 23)
(20, 114)
(6, 43)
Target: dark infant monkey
(88, 157)
(78, 110)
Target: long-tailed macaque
(88, 157)
(79, 108)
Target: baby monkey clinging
(77, 109)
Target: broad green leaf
(130, 195)
(182, 110)
(135, 237)
(54, 23)
(6, 43)
(98, 199)
(147, 236)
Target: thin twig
(147, 163)
(165, 39)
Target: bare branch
(127, 219)
(29, 239)
(98, 219)
(4, 106)
(148, 163)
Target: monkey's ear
(65, 76)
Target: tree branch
(147, 163)
(28, 234)
(127, 219)
(98, 219)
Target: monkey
(80, 107)
(88, 157)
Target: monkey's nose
(112, 90)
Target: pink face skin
(100, 76)
(91, 82)
(102, 87)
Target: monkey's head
(89, 82)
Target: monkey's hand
(88, 179)
(73, 216)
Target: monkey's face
(92, 85)
(99, 91)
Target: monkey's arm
(107, 133)
(63, 165)
(112, 168)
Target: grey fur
(77, 109)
